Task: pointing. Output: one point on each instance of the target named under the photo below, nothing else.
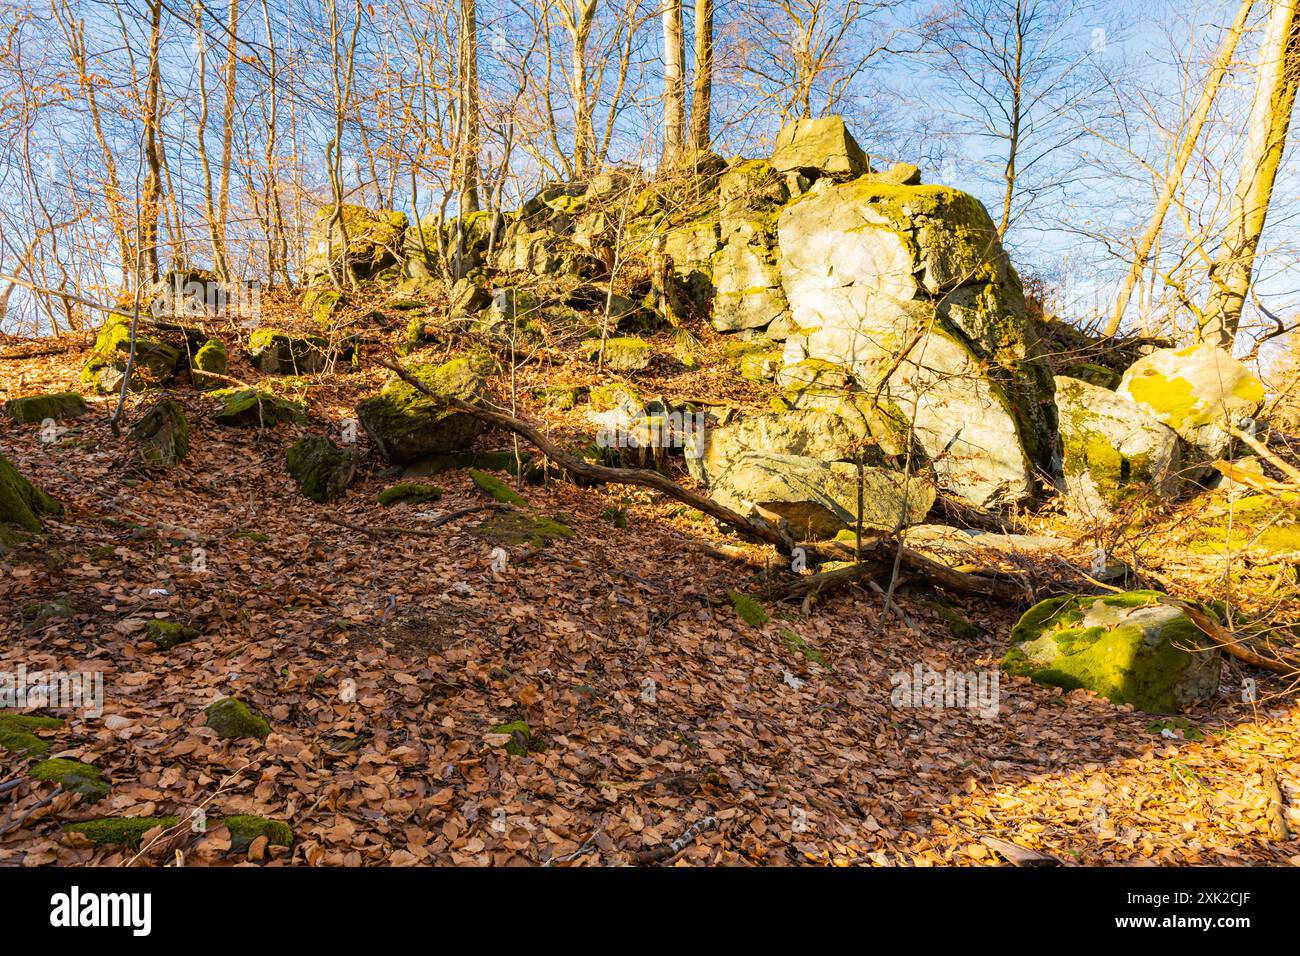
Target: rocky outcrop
(747, 271)
(404, 424)
(369, 241)
(819, 147)
(1128, 648)
(1112, 450)
(1197, 391)
(909, 284)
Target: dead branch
(1232, 642)
(388, 531)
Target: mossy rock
(512, 528)
(324, 304)
(482, 460)
(496, 489)
(239, 408)
(211, 357)
(1128, 648)
(404, 424)
(73, 776)
(231, 718)
(410, 492)
(559, 397)
(244, 829)
(322, 469)
(623, 354)
(21, 502)
(162, 434)
(37, 614)
(167, 634)
(522, 741)
(374, 242)
(616, 395)
(119, 831)
(155, 360)
(278, 353)
(16, 733)
(39, 408)
(747, 609)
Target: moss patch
(404, 424)
(522, 740)
(747, 609)
(408, 492)
(322, 470)
(496, 489)
(167, 634)
(212, 357)
(72, 776)
(239, 407)
(21, 502)
(231, 718)
(244, 829)
(515, 527)
(17, 736)
(119, 831)
(37, 408)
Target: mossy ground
(747, 609)
(496, 489)
(18, 737)
(72, 776)
(119, 831)
(408, 492)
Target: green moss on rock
(72, 776)
(1129, 648)
(119, 831)
(231, 718)
(276, 352)
(408, 491)
(16, 733)
(155, 360)
(167, 634)
(515, 528)
(240, 407)
(322, 469)
(622, 354)
(21, 502)
(38, 408)
(245, 828)
(404, 424)
(162, 435)
(212, 357)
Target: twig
(381, 531)
(659, 854)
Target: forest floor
(658, 714)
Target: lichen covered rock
(747, 269)
(819, 147)
(39, 408)
(404, 424)
(910, 284)
(231, 718)
(1112, 449)
(1128, 648)
(374, 241)
(1197, 391)
(162, 435)
(322, 470)
(249, 407)
(622, 354)
(21, 502)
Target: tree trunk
(702, 87)
(468, 199)
(1270, 118)
(674, 84)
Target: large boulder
(155, 360)
(162, 435)
(21, 502)
(819, 500)
(322, 470)
(250, 407)
(279, 353)
(809, 433)
(910, 284)
(1111, 449)
(404, 424)
(1197, 391)
(747, 270)
(819, 147)
(369, 240)
(212, 358)
(1128, 648)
